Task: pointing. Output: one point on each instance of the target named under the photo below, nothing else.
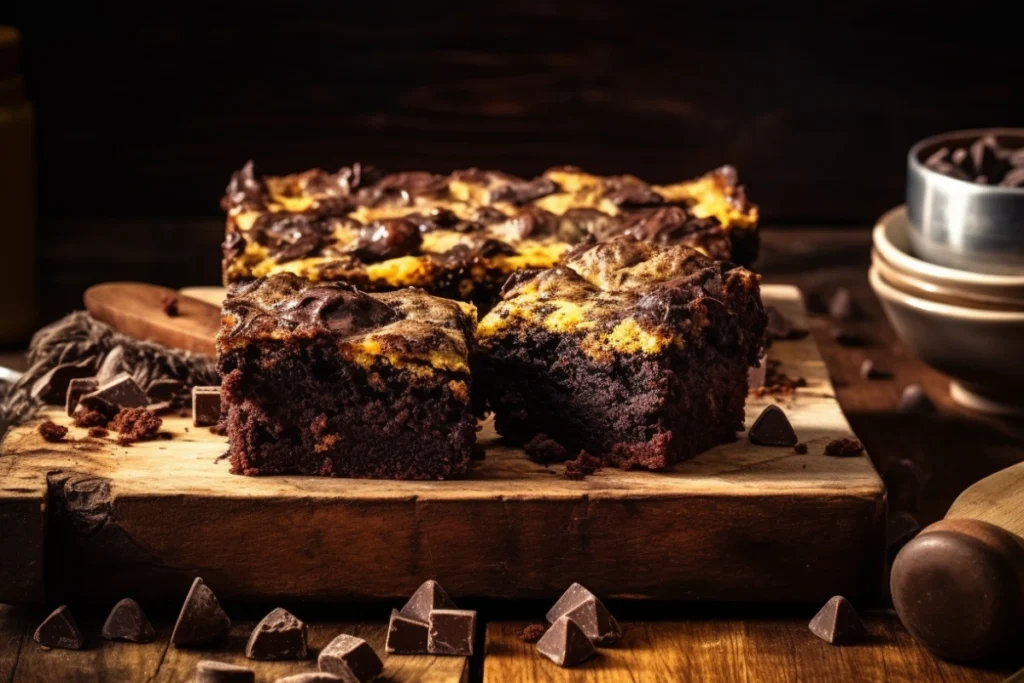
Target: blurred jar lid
(10, 44)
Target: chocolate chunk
(576, 224)
(961, 158)
(280, 635)
(163, 390)
(314, 677)
(533, 633)
(781, 328)
(800, 448)
(844, 447)
(937, 157)
(951, 170)
(244, 189)
(205, 406)
(59, 630)
(838, 623)
(53, 432)
(52, 387)
(915, 401)
(428, 597)
(120, 392)
(350, 658)
(772, 428)
(868, 370)
(232, 247)
(626, 191)
(1016, 157)
(201, 619)
(170, 305)
(451, 632)
(113, 364)
(588, 612)
(1014, 178)
(524, 191)
(566, 644)
(841, 305)
(128, 622)
(900, 529)
(987, 159)
(77, 388)
(387, 239)
(208, 671)
(406, 636)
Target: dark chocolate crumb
(844, 447)
(97, 432)
(544, 449)
(800, 448)
(777, 383)
(532, 633)
(51, 431)
(136, 424)
(585, 464)
(87, 417)
(170, 305)
(914, 400)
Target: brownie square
(323, 379)
(633, 352)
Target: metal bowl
(961, 224)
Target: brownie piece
(461, 235)
(633, 352)
(324, 379)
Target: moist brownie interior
(634, 352)
(461, 235)
(323, 379)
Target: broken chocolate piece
(350, 658)
(841, 306)
(209, 671)
(596, 621)
(280, 635)
(120, 392)
(451, 632)
(533, 633)
(406, 636)
(53, 432)
(566, 644)
(205, 406)
(77, 388)
(772, 428)
(868, 370)
(53, 386)
(113, 364)
(314, 677)
(59, 631)
(838, 623)
(161, 390)
(844, 447)
(128, 622)
(781, 328)
(800, 448)
(427, 598)
(900, 529)
(915, 401)
(201, 619)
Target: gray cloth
(78, 337)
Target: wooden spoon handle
(140, 311)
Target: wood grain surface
(997, 499)
(775, 525)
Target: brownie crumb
(777, 383)
(136, 424)
(52, 431)
(532, 633)
(585, 464)
(544, 449)
(170, 305)
(87, 417)
(800, 448)
(97, 432)
(844, 448)
(219, 429)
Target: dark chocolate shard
(128, 622)
(113, 364)
(280, 635)
(209, 671)
(596, 621)
(915, 401)
(164, 389)
(573, 595)
(77, 388)
(451, 632)
(900, 529)
(566, 644)
(428, 597)
(772, 428)
(205, 406)
(120, 392)
(313, 677)
(350, 658)
(201, 619)
(52, 388)
(406, 636)
(841, 305)
(59, 630)
(838, 623)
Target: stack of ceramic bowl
(948, 268)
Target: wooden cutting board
(88, 518)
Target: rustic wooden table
(663, 642)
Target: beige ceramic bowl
(891, 240)
(940, 293)
(982, 351)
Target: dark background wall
(144, 111)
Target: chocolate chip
(868, 370)
(838, 623)
(280, 635)
(387, 239)
(128, 622)
(800, 448)
(170, 305)
(52, 387)
(523, 191)
(588, 612)
(451, 632)
(937, 157)
(428, 597)
(206, 406)
(533, 633)
(201, 619)
(77, 388)
(841, 305)
(951, 170)
(900, 528)
(772, 428)
(566, 644)
(59, 630)
(1016, 158)
(406, 636)
(208, 671)
(915, 401)
(350, 658)
(844, 447)
(986, 158)
(1014, 178)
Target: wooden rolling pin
(959, 586)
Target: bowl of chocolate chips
(965, 200)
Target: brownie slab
(326, 380)
(633, 352)
(460, 235)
